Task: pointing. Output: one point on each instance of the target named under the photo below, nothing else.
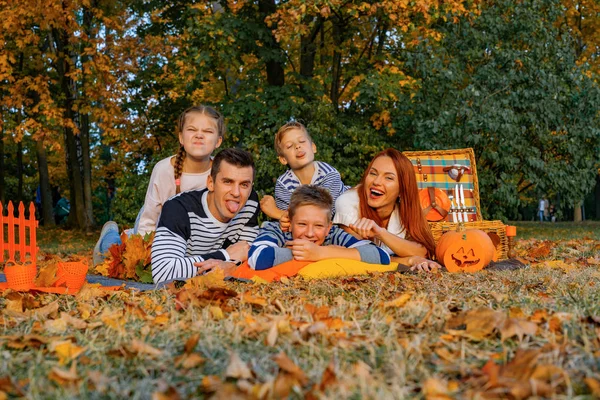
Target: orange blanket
(275, 273)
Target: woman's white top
(347, 212)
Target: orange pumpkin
(465, 250)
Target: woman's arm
(368, 229)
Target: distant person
(552, 212)
(312, 235)
(296, 149)
(200, 130)
(61, 210)
(201, 230)
(541, 209)
(546, 209)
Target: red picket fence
(13, 244)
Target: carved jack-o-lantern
(465, 250)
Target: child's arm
(268, 249)
(368, 229)
(268, 206)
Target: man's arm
(169, 260)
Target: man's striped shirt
(269, 248)
(325, 176)
(188, 233)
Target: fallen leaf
(64, 377)
(254, 300)
(271, 338)
(140, 347)
(594, 386)
(517, 327)
(284, 362)
(237, 369)
(436, 389)
(169, 394)
(65, 350)
(398, 301)
(216, 312)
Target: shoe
(110, 226)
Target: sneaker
(110, 226)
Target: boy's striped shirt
(325, 176)
(269, 248)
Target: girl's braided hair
(180, 156)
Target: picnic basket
(432, 170)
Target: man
(210, 228)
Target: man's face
(229, 191)
(311, 223)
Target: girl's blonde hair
(180, 157)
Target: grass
(416, 349)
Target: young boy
(296, 149)
(312, 235)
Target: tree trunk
(46, 211)
(308, 49)
(2, 167)
(275, 71)
(20, 171)
(87, 170)
(336, 64)
(597, 196)
(77, 216)
(577, 216)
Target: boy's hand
(239, 250)
(228, 267)
(284, 222)
(421, 264)
(304, 250)
(268, 206)
(367, 228)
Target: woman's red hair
(409, 204)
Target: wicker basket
(429, 172)
(497, 227)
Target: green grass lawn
(511, 334)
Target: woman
(385, 208)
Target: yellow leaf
(216, 312)
(398, 301)
(65, 350)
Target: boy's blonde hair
(311, 195)
(285, 128)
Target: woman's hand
(367, 228)
(238, 250)
(304, 250)
(421, 264)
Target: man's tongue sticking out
(232, 206)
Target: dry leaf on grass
(398, 301)
(287, 365)
(237, 369)
(66, 350)
(517, 327)
(139, 347)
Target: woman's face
(382, 186)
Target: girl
(385, 207)
(200, 131)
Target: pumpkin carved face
(465, 251)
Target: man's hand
(421, 264)
(284, 222)
(304, 250)
(367, 228)
(228, 267)
(238, 250)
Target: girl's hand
(421, 264)
(304, 250)
(367, 228)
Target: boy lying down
(311, 236)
